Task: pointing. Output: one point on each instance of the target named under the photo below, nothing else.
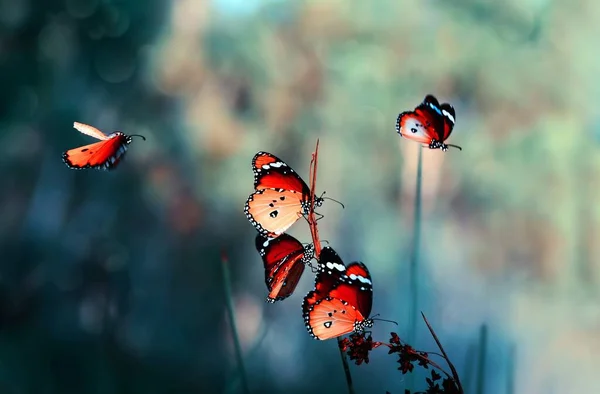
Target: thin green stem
(510, 381)
(346, 368)
(414, 255)
(414, 259)
(439, 344)
(231, 314)
(482, 355)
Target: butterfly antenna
(455, 146)
(326, 241)
(329, 198)
(389, 321)
(144, 138)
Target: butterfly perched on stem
(281, 197)
(103, 155)
(284, 259)
(431, 124)
(342, 298)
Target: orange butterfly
(431, 123)
(281, 196)
(341, 300)
(103, 155)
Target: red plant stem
(312, 220)
(314, 232)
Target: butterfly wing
(101, 155)
(356, 288)
(281, 196)
(273, 211)
(284, 258)
(330, 269)
(449, 119)
(341, 300)
(90, 130)
(270, 172)
(331, 318)
(429, 121)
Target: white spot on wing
(360, 278)
(337, 266)
(448, 115)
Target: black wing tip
(430, 98)
(399, 119)
(329, 250)
(69, 163)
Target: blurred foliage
(109, 282)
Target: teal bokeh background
(111, 283)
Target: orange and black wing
(331, 317)
(329, 271)
(429, 121)
(273, 211)
(356, 288)
(341, 300)
(103, 155)
(449, 119)
(281, 197)
(284, 258)
(270, 172)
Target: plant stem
(481, 364)
(510, 381)
(439, 344)
(231, 314)
(414, 261)
(346, 368)
(414, 255)
(312, 220)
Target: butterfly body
(431, 123)
(280, 198)
(104, 155)
(284, 259)
(341, 300)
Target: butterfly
(281, 197)
(284, 259)
(430, 123)
(103, 155)
(341, 300)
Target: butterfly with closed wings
(341, 300)
(103, 155)
(281, 197)
(284, 259)
(431, 123)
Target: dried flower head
(358, 347)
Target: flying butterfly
(284, 259)
(341, 300)
(281, 197)
(431, 124)
(103, 155)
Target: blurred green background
(111, 282)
